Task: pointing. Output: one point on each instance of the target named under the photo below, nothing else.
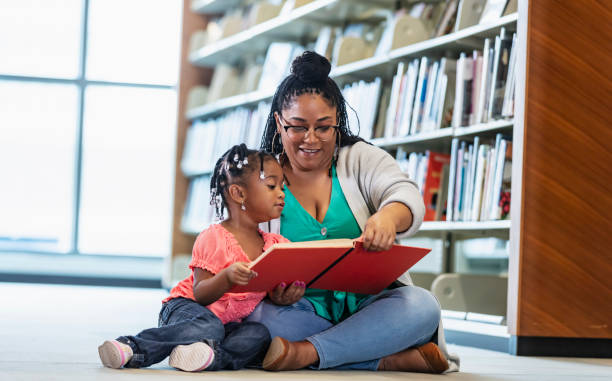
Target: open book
(337, 264)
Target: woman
(339, 186)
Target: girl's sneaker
(192, 358)
(114, 354)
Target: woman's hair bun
(311, 67)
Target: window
(87, 125)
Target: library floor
(51, 332)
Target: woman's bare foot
(424, 359)
(287, 355)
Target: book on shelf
(484, 86)
(421, 97)
(197, 212)
(277, 63)
(341, 265)
(426, 170)
(362, 104)
(224, 83)
(207, 140)
(493, 10)
(469, 13)
(479, 173)
(447, 20)
(432, 187)
(501, 61)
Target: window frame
(81, 82)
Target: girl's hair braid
(232, 168)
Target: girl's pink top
(215, 249)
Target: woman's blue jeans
(386, 323)
(184, 321)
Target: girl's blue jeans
(386, 323)
(183, 321)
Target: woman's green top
(297, 225)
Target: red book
(339, 264)
(431, 188)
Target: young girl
(200, 322)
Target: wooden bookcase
(560, 268)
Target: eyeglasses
(298, 133)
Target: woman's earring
(282, 153)
(242, 206)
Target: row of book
(485, 82)
(207, 140)
(471, 184)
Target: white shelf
(458, 226)
(483, 127)
(465, 36)
(443, 134)
(240, 100)
(288, 27)
(213, 6)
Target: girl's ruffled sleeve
(209, 251)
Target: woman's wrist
(399, 214)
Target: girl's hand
(285, 296)
(239, 273)
(379, 233)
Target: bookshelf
(536, 314)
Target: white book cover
(419, 97)
(495, 63)
(468, 184)
(400, 104)
(323, 40)
(496, 170)
(392, 110)
(411, 83)
(492, 11)
(432, 117)
(509, 90)
(372, 99)
(486, 188)
(413, 164)
(478, 182)
(459, 84)
(459, 175)
(278, 59)
(489, 190)
(484, 71)
(499, 175)
(451, 179)
(477, 57)
(432, 83)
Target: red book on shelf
(340, 264)
(432, 188)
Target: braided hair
(309, 75)
(232, 168)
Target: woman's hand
(285, 296)
(239, 273)
(379, 233)
(382, 226)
